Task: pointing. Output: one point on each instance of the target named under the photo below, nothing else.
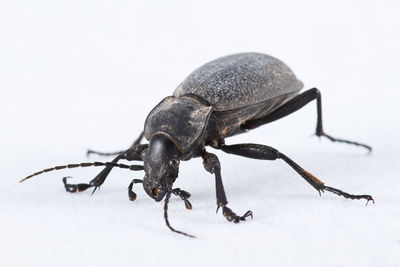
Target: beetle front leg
(73, 188)
(212, 165)
(292, 106)
(132, 153)
(96, 182)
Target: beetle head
(161, 164)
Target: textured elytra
(240, 80)
(182, 119)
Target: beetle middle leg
(133, 153)
(212, 165)
(263, 152)
(295, 104)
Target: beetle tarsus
(233, 217)
(73, 188)
(333, 139)
(184, 195)
(350, 196)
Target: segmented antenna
(87, 164)
(333, 139)
(166, 216)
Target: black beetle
(225, 97)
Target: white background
(84, 74)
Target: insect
(225, 97)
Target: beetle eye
(174, 163)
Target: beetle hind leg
(263, 152)
(295, 104)
(333, 139)
(347, 195)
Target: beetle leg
(295, 104)
(131, 194)
(132, 153)
(212, 165)
(184, 196)
(232, 217)
(73, 188)
(90, 152)
(256, 151)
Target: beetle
(225, 97)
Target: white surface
(78, 75)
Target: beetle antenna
(87, 164)
(166, 216)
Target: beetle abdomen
(228, 123)
(240, 80)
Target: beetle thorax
(183, 120)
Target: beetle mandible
(225, 97)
